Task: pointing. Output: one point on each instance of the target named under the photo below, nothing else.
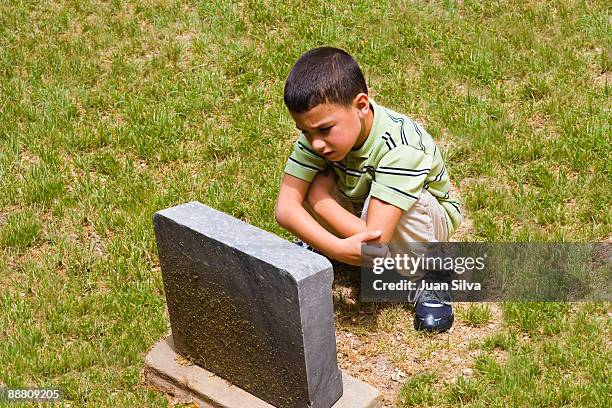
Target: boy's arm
(381, 215)
(342, 221)
(291, 215)
(384, 217)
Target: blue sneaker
(334, 262)
(433, 309)
(306, 246)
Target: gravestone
(249, 306)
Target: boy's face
(332, 129)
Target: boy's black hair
(321, 75)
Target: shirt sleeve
(304, 163)
(400, 175)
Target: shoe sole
(441, 325)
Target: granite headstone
(249, 306)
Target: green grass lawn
(112, 110)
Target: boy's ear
(362, 103)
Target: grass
(475, 314)
(21, 230)
(549, 370)
(110, 111)
(418, 390)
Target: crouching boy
(360, 172)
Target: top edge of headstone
(256, 242)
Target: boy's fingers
(369, 235)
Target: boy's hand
(348, 249)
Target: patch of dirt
(377, 343)
(12, 281)
(543, 125)
(92, 238)
(603, 78)
(186, 37)
(28, 159)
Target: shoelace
(417, 294)
(427, 294)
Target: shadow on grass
(351, 313)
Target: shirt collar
(366, 148)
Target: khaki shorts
(425, 221)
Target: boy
(360, 172)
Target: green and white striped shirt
(398, 159)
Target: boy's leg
(424, 222)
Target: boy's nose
(318, 145)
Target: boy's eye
(325, 129)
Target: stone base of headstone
(166, 371)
